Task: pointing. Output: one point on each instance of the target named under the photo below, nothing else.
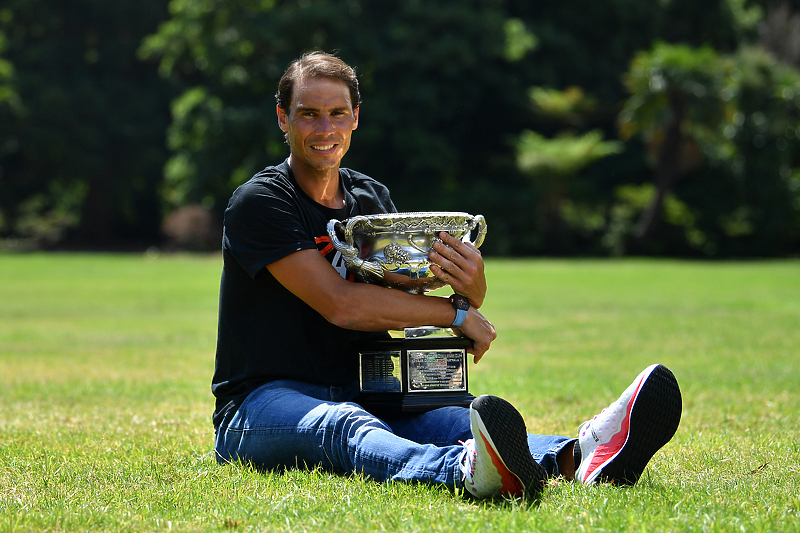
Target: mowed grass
(105, 403)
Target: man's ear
(283, 119)
(355, 115)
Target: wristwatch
(461, 305)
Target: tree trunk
(667, 165)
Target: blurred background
(577, 128)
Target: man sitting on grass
(286, 374)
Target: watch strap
(461, 316)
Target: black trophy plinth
(418, 369)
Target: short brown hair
(316, 65)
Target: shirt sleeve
(263, 225)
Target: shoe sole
(506, 433)
(654, 419)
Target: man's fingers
(444, 264)
(477, 353)
(446, 277)
(458, 246)
(452, 251)
(460, 265)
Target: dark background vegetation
(648, 127)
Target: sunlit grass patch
(105, 403)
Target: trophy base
(419, 369)
(387, 402)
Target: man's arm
(366, 307)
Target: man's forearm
(367, 307)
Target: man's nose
(324, 124)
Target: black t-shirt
(265, 332)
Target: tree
(554, 164)
(730, 123)
(9, 106)
(439, 80)
(677, 101)
(754, 210)
(578, 53)
(84, 150)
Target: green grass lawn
(105, 403)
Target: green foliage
(669, 73)
(575, 35)
(44, 218)
(554, 165)
(430, 72)
(519, 40)
(633, 200)
(564, 155)
(8, 96)
(591, 45)
(737, 117)
(154, 105)
(707, 121)
(762, 167)
(9, 104)
(569, 108)
(87, 112)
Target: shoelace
(468, 461)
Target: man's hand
(460, 265)
(480, 330)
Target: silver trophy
(416, 369)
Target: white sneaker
(497, 460)
(617, 444)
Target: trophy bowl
(392, 249)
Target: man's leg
(286, 424)
(289, 423)
(446, 426)
(451, 425)
(554, 453)
(565, 460)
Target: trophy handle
(480, 222)
(348, 250)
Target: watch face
(460, 302)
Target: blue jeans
(295, 424)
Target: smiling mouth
(323, 148)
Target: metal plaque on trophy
(416, 369)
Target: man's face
(319, 123)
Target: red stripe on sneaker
(607, 451)
(510, 482)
